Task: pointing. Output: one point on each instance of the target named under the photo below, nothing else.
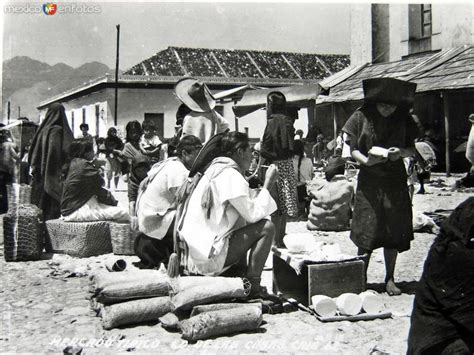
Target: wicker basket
(23, 233)
(18, 194)
(80, 239)
(123, 238)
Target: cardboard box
(324, 278)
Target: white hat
(195, 95)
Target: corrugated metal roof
(449, 69)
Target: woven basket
(123, 238)
(80, 239)
(23, 233)
(18, 194)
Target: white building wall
(134, 103)
(452, 26)
(398, 31)
(456, 24)
(361, 33)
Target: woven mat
(296, 261)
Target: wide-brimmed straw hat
(389, 91)
(195, 95)
(471, 117)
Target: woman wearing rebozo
(381, 133)
(222, 222)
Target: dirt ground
(44, 306)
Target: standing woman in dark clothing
(112, 142)
(277, 148)
(382, 211)
(48, 153)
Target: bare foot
(392, 289)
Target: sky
(148, 27)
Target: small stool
(81, 239)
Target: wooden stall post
(446, 131)
(333, 111)
(236, 119)
(311, 114)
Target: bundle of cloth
(199, 307)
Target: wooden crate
(327, 278)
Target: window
(420, 28)
(426, 20)
(419, 21)
(158, 121)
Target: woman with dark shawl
(48, 153)
(277, 147)
(382, 210)
(442, 321)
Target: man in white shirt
(223, 224)
(156, 203)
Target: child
(84, 198)
(150, 143)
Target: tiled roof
(201, 62)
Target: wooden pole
(311, 114)
(334, 119)
(236, 120)
(446, 131)
(19, 111)
(116, 77)
(8, 112)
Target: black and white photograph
(239, 177)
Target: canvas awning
(296, 96)
(235, 92)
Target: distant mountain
(27, 82)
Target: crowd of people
(191, 194)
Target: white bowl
(300, 242)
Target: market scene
(208, 199)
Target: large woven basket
(18, 194)
(80, 239)
(123, 238)
(23, 233)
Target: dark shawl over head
(48, 152)
(83, 181)
(277, 142)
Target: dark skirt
(382, 213)
(152, 252)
